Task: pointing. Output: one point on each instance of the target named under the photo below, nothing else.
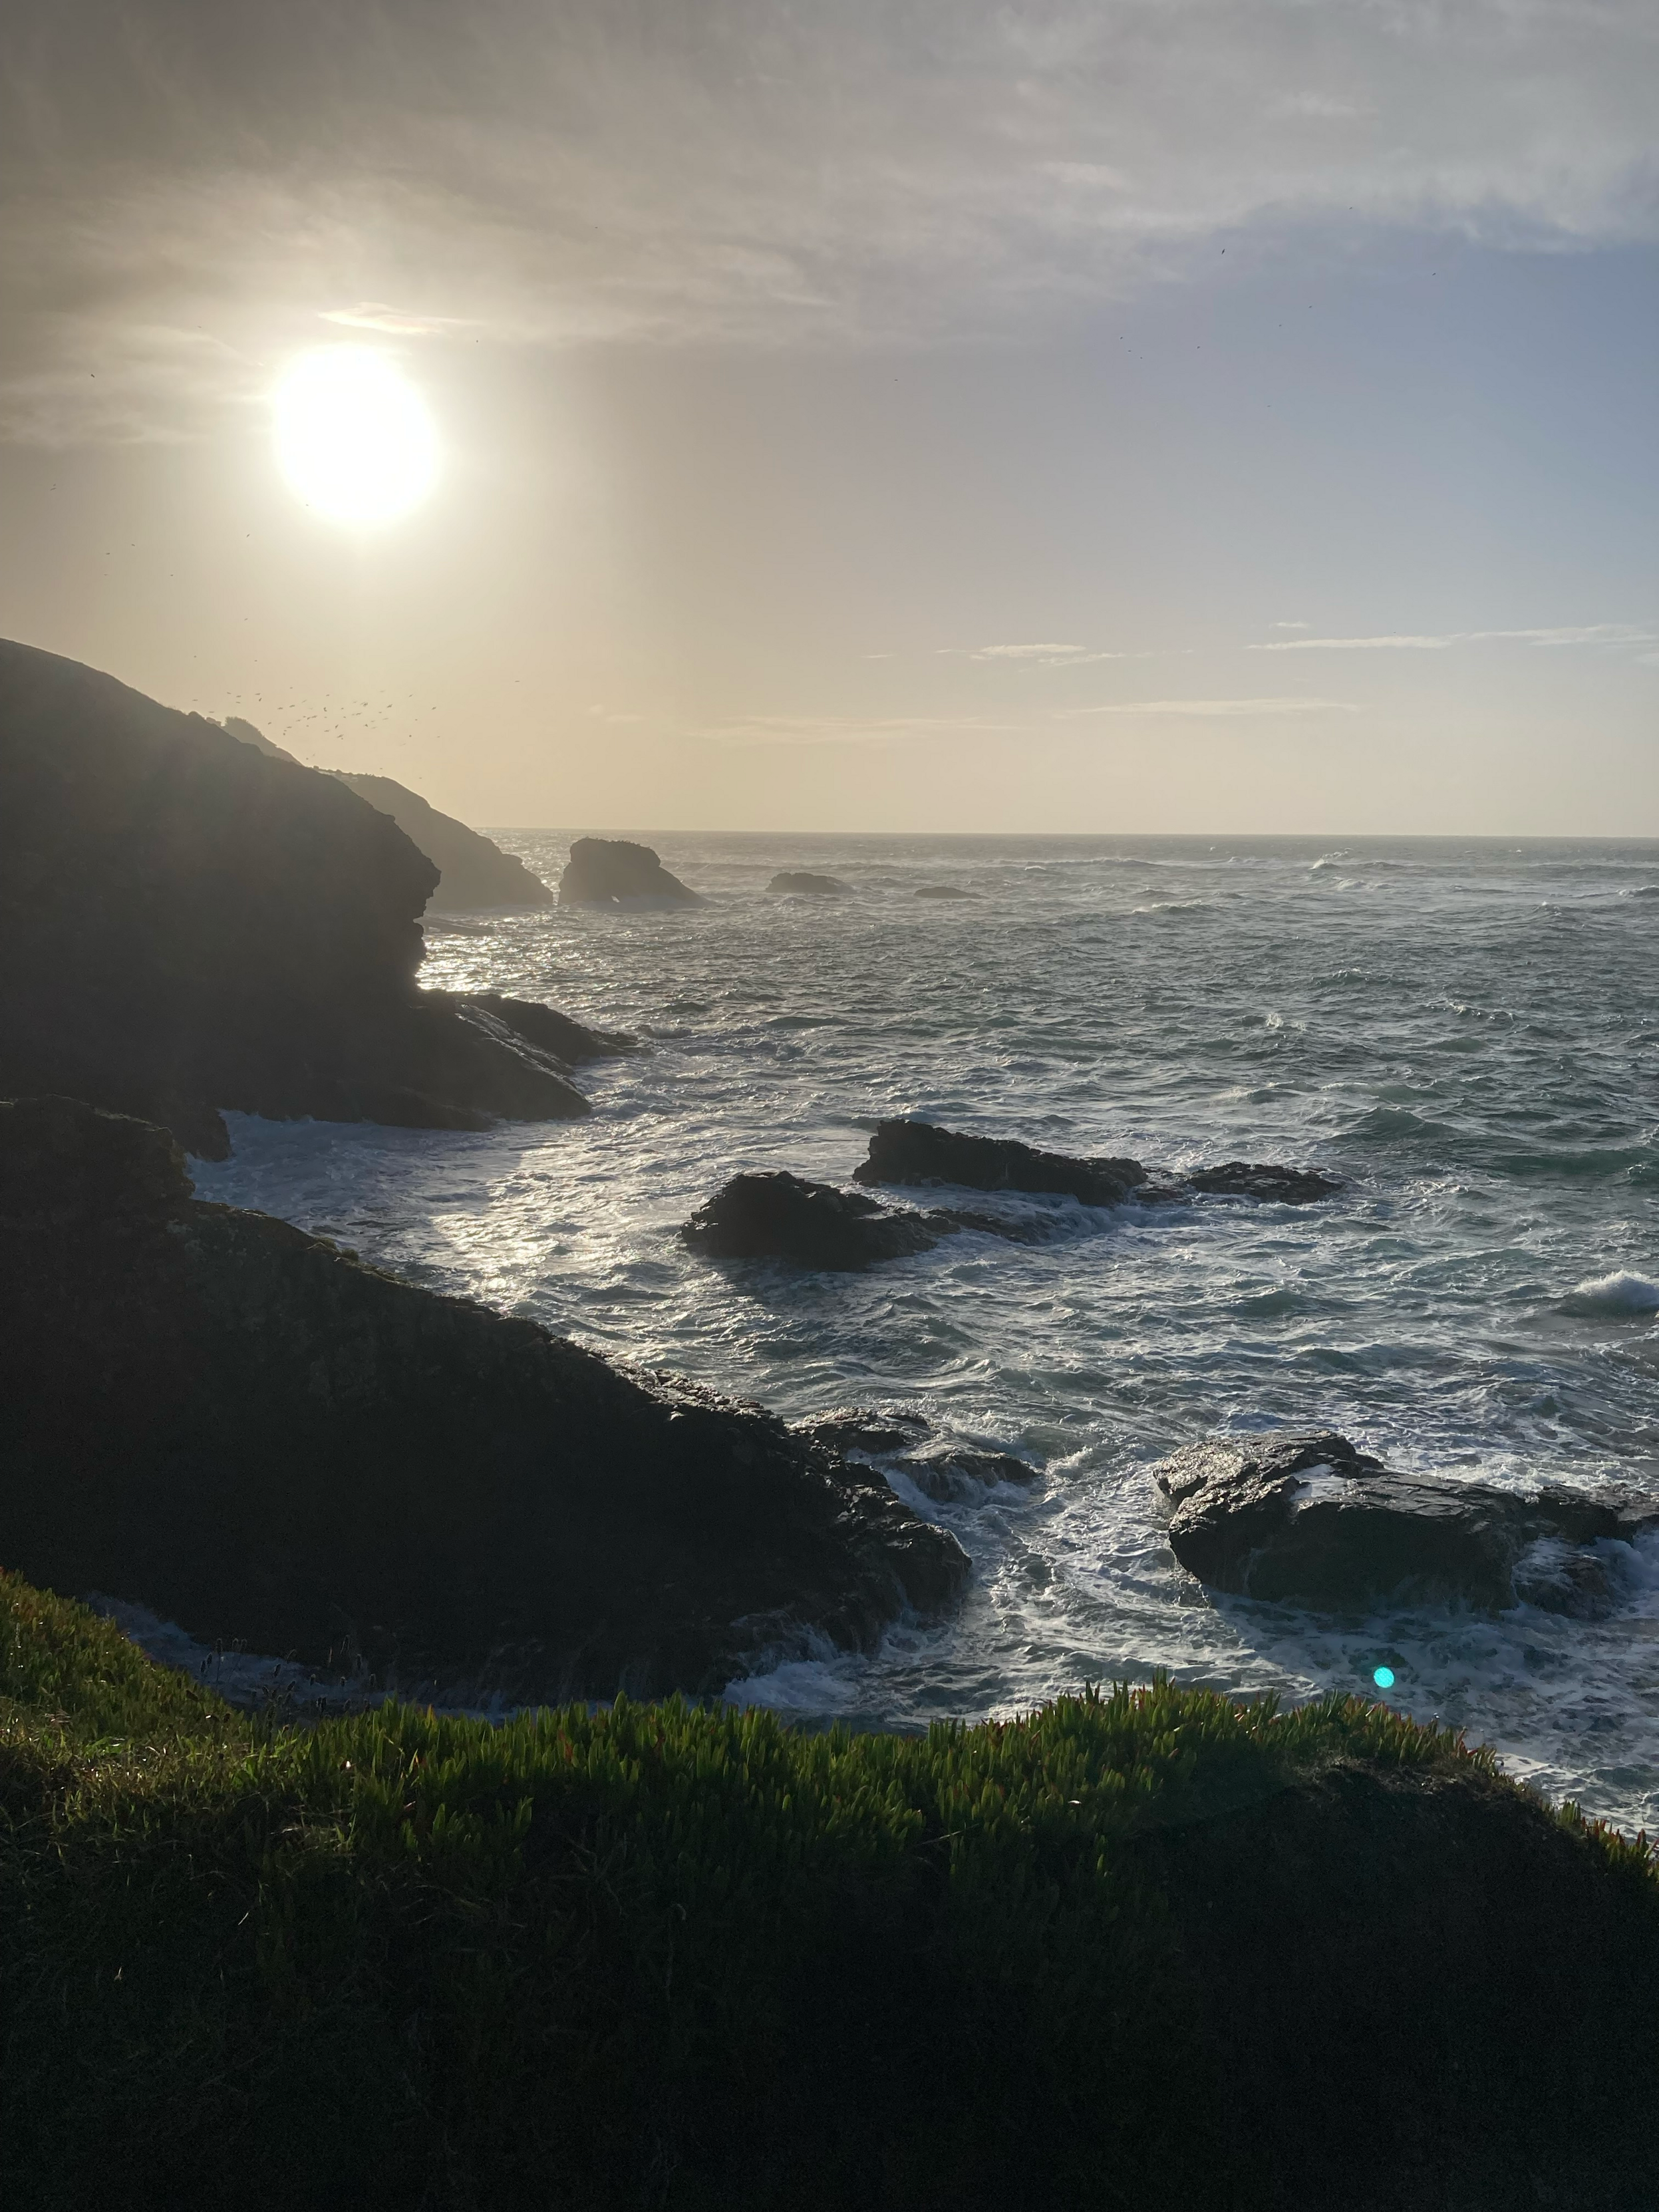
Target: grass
(1126, 1951)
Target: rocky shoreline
(194, 925)
(251, 1432)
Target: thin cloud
(393, 322)
(755, 171)
(1584, 634)
(842, 730)
(1221, 707)
(1044, 656)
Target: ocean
(1466, 1032)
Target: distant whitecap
(1622, 1292)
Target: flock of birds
(295, 723)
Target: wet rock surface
(1271, 1185)
(860, 1428)
(247, 1430)
(909, 1152)
(544, 1027)
(944, 891)
(612, 872)
(192, 924)
(801, 883)
(775, 1215)
(948, 1472)
(1309, 1519)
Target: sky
(1206, 415)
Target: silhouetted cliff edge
(474, 872)
(192, 924)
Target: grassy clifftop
(1144, 1950)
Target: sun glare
(354, 437)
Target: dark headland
(1149, 1949)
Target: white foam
(1619, 1293)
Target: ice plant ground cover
(1148, 1947)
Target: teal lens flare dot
(1383, 1678)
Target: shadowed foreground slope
(245, 1429)
(1149, 1950)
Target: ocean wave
(1621, 1292)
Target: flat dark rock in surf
(801, 883)
(1273, 1186)
(778, 1216)
(242, 1428)
(911, 1152)
(193, 923)
(775, 1215)
(612, 871)
(1308, 1520)
(942, 891)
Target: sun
(354, 437)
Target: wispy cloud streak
(1226, 707)
(747, 170)
(1583, 634)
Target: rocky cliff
(247, 1431)
(612, 871)
(473, 873)
(191, 923)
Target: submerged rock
(951, 1473)
(803, 883)
(244, 1429)
(474, 873)
(958, 1474)
(858, 1429)
(907, 1152)
(942, 891)
(778, 1216)
(1276, 1186)
(611, 871)
(193, 923)
(1310, 1520)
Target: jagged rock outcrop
(1310, 1520)
(612, 871)
(191, 923)
(474, 873)
(908, 1152)
(1271, 1185)
(801, 883)
(557, 1035)
(247, 1431)
(775, 1215)
(778, 1216)
(949, 1473)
